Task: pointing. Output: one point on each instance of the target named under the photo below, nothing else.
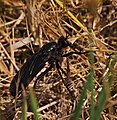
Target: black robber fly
(51, 53)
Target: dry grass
(26, 26)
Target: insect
(51, 53)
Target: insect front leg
(71, 53)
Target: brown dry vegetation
(27, 25)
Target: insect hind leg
(42, 75)
(64, 82)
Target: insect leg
(70, 53)
(42, 74)
(64, 82)
(59, 67)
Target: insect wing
(31, 68)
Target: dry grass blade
(27, 25)
(22, 43)
(4, 68)
(8, 23)
(73, 17)
(9, 56)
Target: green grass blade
(34, 105)
(89, 85)
(78, 108)
(91, 78)
(24, 109)
(105, 92)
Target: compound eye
(62, 42)
(65, 43)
